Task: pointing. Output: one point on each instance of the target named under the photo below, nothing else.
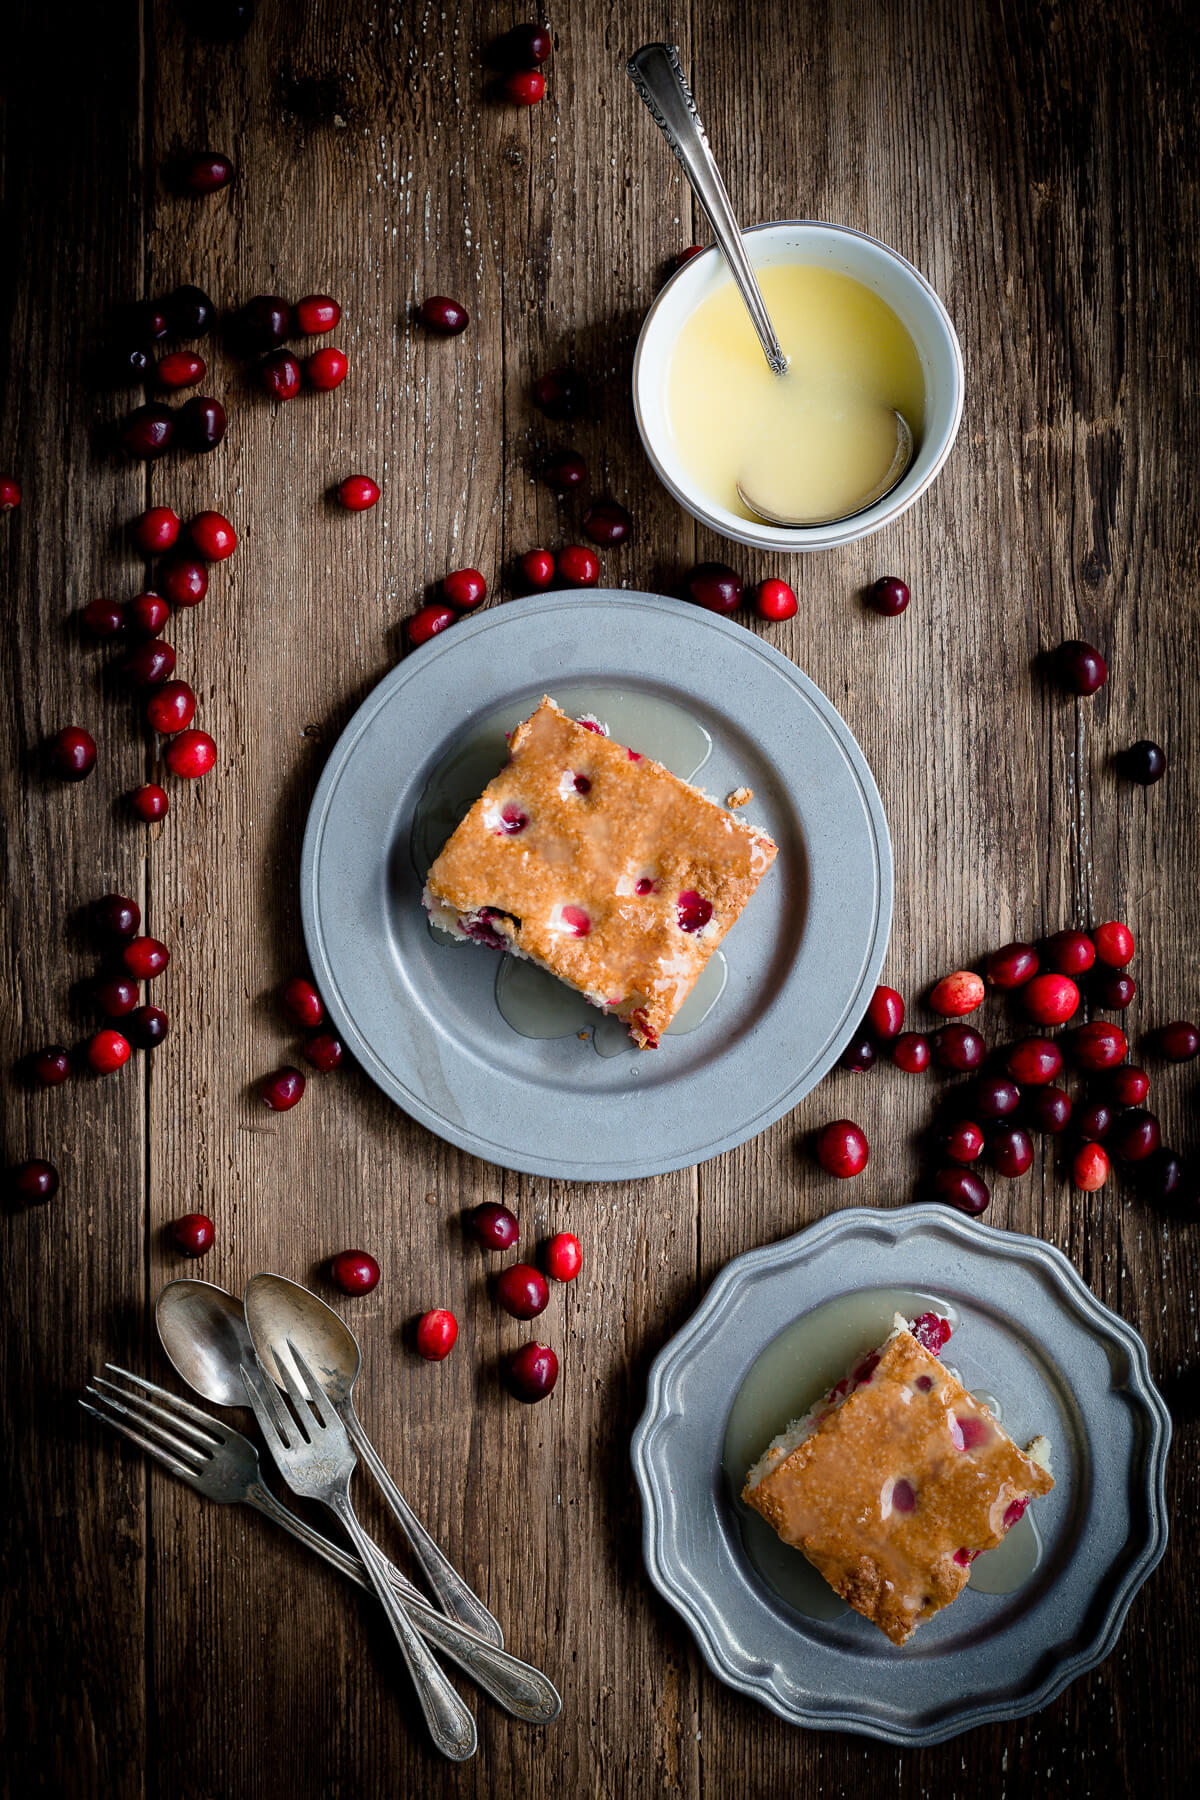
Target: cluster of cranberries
(719, 589)
(520, 54)
(263, 326)
(153, 429)
(1017, 1089)
(322, 1050)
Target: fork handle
(450, 1723)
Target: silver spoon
(277, 1309)
(656, 73)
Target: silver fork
(316, 1459)
(221, 1464)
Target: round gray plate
(421, 1018)
(1033, 1334)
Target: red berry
(957, 1047)
(1089, 1167)
(145, 957)
(681, 259)
(1011, 1150)
(961, 1188)
(522, 1291)
(1013, 966)
(578, 566)
(532, 1372)
(10, 499)
(146, 1027)
(537, 569)
(525, 87)
(493, 1226)
(1112, 990)
(1114, 944)
(859, 1054)
(1051, 999)
(147, 614)
(315, 313)
(107, 1051)
(1161, 1177)
(33, 1182)
(565, 471)
(842, 1149)
(171, 707)
(1179, 1041)
(564, 1256)
(180, 369)
(428, 622)
(1094, 1121)
(279, 375)
(193, 1234)
(50, 1067)
(116, 917)
(205, 171)
(212, 536)
(607, 523)
(1070, 953)
(1047, 1109)
(190, 754)
(442, 315)
(357, 493)
(104, 618)
(72, 753)
(1099, 1045)
(326, 369)
(714, 586)
(885, 1014)
(189, 311)
(1144, 762)
(992, 1097)
(184, 581)
(353, 1271)
(889, 596)
(1136, 1135)
(464, 589)
(264, 323)
(301, 1003)
(774, 600)
(281, 1091)
(150, 663)
(202, 423)
(910, 1052)
(324, 1051)
(561, 393)
(149, 432)
(957, 994)
(523, 47)
(962, 1142)
(437, 1333)
(1034, 1062)
(1083, 671)
(116, 996)
(1128, 1086)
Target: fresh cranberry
(859, 1053)
(885, 1014)
(693, 910)
(522, 1290)
(1094, 1121)
(202, 423)
(10, 494)
(1051, 999)
(147, 614)
(149, 432)
(576, 920)
(842, 1148)
(34, 1182)
(301, 1003)
(147, 1026)
(264, 323)
(532, 1372)
(151, 322)
(156, 530)
(190, 754)
(353, 1269)
(1011, 1151)
(1128, 1086)
(1161, 1176)
(184, 581)
(358, 493)
(1144, 762)
(932, 1332)
(1136, 1135)
(50, 1067)
(1114, 944)
(774, 600)
(493, 1226)
(145, 957)
(578, 566)
(1013, 966)
(537, 569)
(992, 1097)
(427, 622)
(523, 47)
(1099, 1045)
(1034, 1062)
(182, 368)
(189, 311)
(116, 996)
(149, 664)
(106, 1051)
(962, 1188)
(205, 171)
(171, 707)
(437, 1334)
(316, 313)
(1047, 1109)
(957, 994)
(682, 258)
(561, 393)
(116, 917)
(193, 1234)
(1089, 1167)
(564, 1256)
(326, 369)
(442, 315)
(1083, 671)
(1113, 990)
(279, 375)
(957, 1047)
(212, 536)
(1179, 1041)
(962, 1142)
(910, 1052)
(282, 1090)
(324, 1052)
(565, 471)
(714, 586)
(72, 753)
(464, 589)
(1070, 953)
(525, 87)
(104, 618)
(889, 596)
(605, 522)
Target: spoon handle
(656, 73)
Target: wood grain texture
(1038, 165)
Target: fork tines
(180, 1435)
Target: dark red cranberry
(201, 423)
(171, 707)
(1011, 1151)
(107, 1051)
(116, 917)
(526, 87)
(189, 311)
(156, 530)
(358, 493)
(885, 1014)
(264, 323)
(1050, 999)
(104, 618)
(1034, 1062)
(149, 432)
(190, 754)
(72, 753)
(607, 523)
(182, 368)
(1135, 1135)
(147, 614)
(889, 596)
(427, 622)
(524, 47)
(50, 1067)
(493, 1226)
(354, 1271)
(10, 494)
(1099, 1045)
(910, 1052)
(693, 910)
(1161, 1176)
(1047, 1109)
(193, 1234)
(992, 1097)
(714, 586)
(1114, 944)
(33, 1182)
(116, 996)
(150, 663)
(316, 313)
(842, 1148)
(774, 600)
(1083, 671)
(961, 1188)
(537, 569)
(932, 1332)
(279, 375)
(682, 258)
(532, 1372)
(324, 1052)
(464, 589)
(1094, 1121)
(281, 1091)
(522, 1291)
(1012, 967)
(147, 1026)
(1070, 953)
(204, 171)
(578, 566)
(561, 393)
(565, 471)
(437, 1334)
(1113, 990)
(1128, 1086)
(512, 820)
(962, 1142)
(957, 1047)
(442, 315)
(145, 957)
(326, 369)
(1179, 1041)
(211, 536)
(301, 1003)
(859, 1053)
(184, 581)
(564, 1256)
(1144, 762)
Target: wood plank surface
(1038, 164)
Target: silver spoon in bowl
(657, 75)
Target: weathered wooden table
(1039, 165)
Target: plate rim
(1099, 1319)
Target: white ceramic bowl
(849, 253)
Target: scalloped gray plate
(1064, 1365)
(421, 1017)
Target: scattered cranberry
(1070, 953)
(532, 1372)
(526, 87)
(493, 1226)
(72, 753)
(146, 1027)
(35, 1182)
(957, 1047)
(889, 596)
(427, 622)
(1013, 966)
(50, 1067)
(357, 493)
(281, 1091)
(774, 600)
(107, 1051)
(189, 311)
(1114, 944)
(1047, 1109)
(1034, 1062)
(152, 322)
(957, 994)
(149, 432)
(1136, 1135)
(116, 917)
(353, 1271)
(1179, 1041)
(910, 1052)
(1113, 991)
(714, 586)
(464, 589)
(437, 1334)
(1144, 762)
(129, 366)
(1051, 999)
(116, 996)
(147, 614)
(537, 569)
(522, 1291)
(10, 499)
(180, 369)
(523, 47)
(1161, 1176)
(1128, 1086)
(859, 1053)
(1094, 1121)
(992, 1097)
(104, 618)
(885, 1014)
(605, 522)
(202, 423)
(279, 375)
(565, 471)
(212, 536)
(324, 1052)
(150, 663)
(326, 369)
(962, 1188)
(193, 1234)
(190, 754)
(145, 957)
(683, 257)
(205, 171)
(184, 581)
(962, 1142)
(264, 322)
(842, 1149)
(578, 566)
(561, 393)
(301, 1003)
(316, 313)
(444, 316)
(171, 707)
(1099, 1045)
(1089, 1167)
(156, 530)
(1012, 1151)
(1083, 671)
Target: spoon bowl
(202, 1328)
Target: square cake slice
(896, 1481)
(601, 866)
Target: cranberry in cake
(598, 864)
(896, 1481)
